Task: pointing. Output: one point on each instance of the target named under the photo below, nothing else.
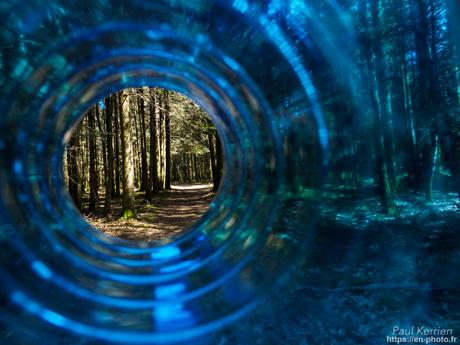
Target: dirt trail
(168, 214)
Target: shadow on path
(168, 214)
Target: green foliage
(128, 214)
(189, 126)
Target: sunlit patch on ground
(169, 213)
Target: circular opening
(143, 164)
(137, 291)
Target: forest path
(168, 214)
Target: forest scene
(143, 163)
(339, 216)
(385, 247)
(386, 242)
(408, 139)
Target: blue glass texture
(310, 238)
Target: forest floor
(169, 213)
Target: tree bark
(145, 185)
(116, 113)
(128, 208)
(381, 172)
(215, 179)
(167, 142)
(219, 162)
(72, 167)
(161, 140)
(93, 178)
(109, 139)
(153, 144)
(103, 136)
(386, 132)
(428, 98)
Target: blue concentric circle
(244, 69)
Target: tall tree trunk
(219, 162)
(382, 92)
(428, 98)
(196, 173)
(186, 169)
(153, 143)
(104, 145)
(450, 141)
(128, 210)
(72, 167)
(144, 163)
(109, 139)
(83, 157)
(381, 172)
(161, 139)
(116, 113)
(215, 178)
(136, 144)
(93, 178)
(167, 142)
